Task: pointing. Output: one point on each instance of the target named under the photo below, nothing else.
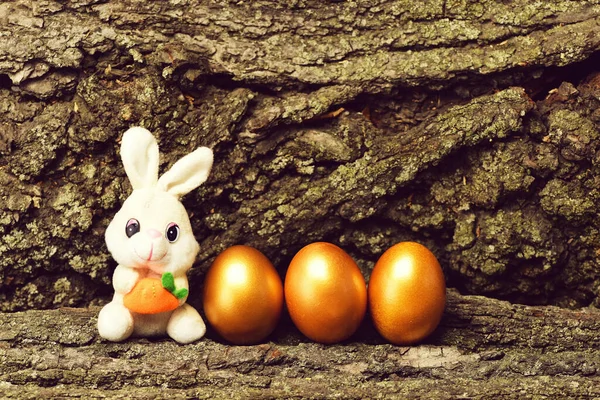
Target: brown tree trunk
(483, 349)
(469, 126)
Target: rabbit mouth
(151, 255)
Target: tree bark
(361, 123)
(483, 348)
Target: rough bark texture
(483, 349)
(469, 126)
(499, 181)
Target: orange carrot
(148, 296)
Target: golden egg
(325, 293)
(407, 293)
(243, 295)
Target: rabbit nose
(153, 233)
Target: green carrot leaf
(168, 281)
(180, 293)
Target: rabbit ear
(139, 153)
(188, 173)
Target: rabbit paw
(115, 322)
(186, 325)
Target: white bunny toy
(151, 239)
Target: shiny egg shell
(325, 293)
(407, 293)
(243, 295)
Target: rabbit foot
(115, 322)
(186, 325)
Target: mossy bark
(469, 126)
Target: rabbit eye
(132, 227)
(172, 232)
